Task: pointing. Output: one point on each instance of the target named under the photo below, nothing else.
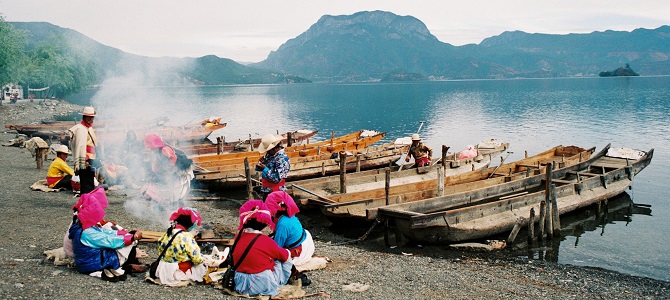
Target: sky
(247, 30)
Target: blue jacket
(289, 232)
(88, 259)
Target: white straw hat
(89, 111)
(268, 142)
(62, 149)
(415, 137)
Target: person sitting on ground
(274, 165)
(102, 248)
(289, 233)
(266, 266)
(183, 260)
(59, 175)
(422, 153)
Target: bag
(228, 279)
(152, 269)
(154, 265)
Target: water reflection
(595, 218)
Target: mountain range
(382, 46)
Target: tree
(12, 56)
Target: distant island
(623, 71)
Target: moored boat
(296, 137)
(363, 204)
(480, 213)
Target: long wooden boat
(363, 204)
(354, 141)
(297, 137)
(361, 185)
(232, 176)
(110, 134)
(484, 212)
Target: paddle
(401, 161)
(313, 193)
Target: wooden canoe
(354, 141)
(363, 204)
(308, 167)
(297, 137)
(362, 185)
(484, 212)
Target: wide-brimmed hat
(255, 209)
(89, 111)
(268, 142)
(415, 137)
(62, 149)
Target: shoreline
(36, 221)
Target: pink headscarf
(153, 141)
(255, 209)
(280, 200)
(187, 211)
(91, 207)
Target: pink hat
(255, 209)
(187, 211)
(91, 207)
(153, 141)
(280, 200)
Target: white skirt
(170, 274)
(307, 250)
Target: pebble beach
(35, 221)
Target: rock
(355, 287)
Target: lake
(532, 114)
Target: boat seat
(562, 181)
(584, 174)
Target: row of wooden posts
(548, 221)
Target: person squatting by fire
(101, 248)
(168, 168)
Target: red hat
(91, 207)
(255, 209)
(187, 211)
(153, 141)
(280, 200)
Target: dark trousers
(65, 183)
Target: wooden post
(444, 156)
(332, 137)
(41, 155)
(440, 182)
(219, 145)
(358, 162)
(289, 139)
(525, 154)
(543, 212)
(531, 226)
(343, 172)
(515, 231)
(556, 219)
(547, 199)
(387, 184)
(247, 174)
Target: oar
(313, 193)
(501, 163)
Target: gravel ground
(34, 221)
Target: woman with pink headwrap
(102, 248)
(289, 233)
(266, 266)
(182, 261)
(168, 167)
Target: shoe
(122, 277)
(137, 268)
(304, 280)
(107, 275)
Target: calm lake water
(533, 115)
